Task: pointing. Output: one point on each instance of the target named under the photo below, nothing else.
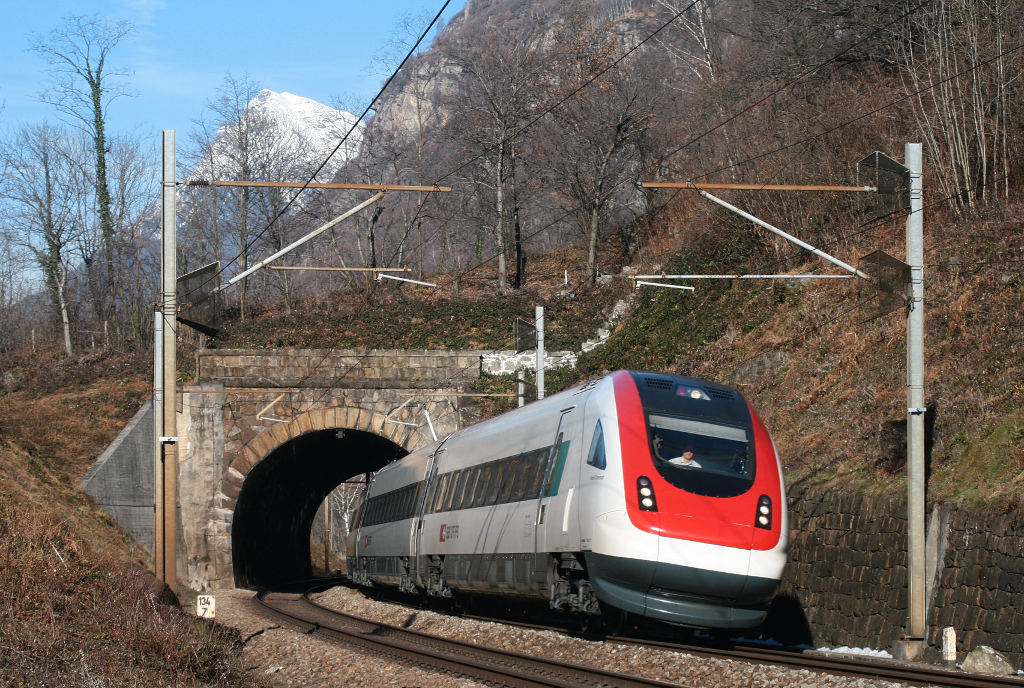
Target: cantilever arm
(316, 232)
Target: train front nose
(676, 580)
(706, 585)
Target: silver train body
(554, 502)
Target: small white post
(540, 352)
(522, 387)
(949, 645)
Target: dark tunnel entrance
(281, 494)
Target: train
(635, 493)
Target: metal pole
(430, 424)
(915, 397)
(158, 431)
(540, 352)
(170, 421)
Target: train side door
(597, 484)
(417, 528)
(556, 497)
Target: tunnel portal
(281, 495)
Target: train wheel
(721, 636)
(620, 622)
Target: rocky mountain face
(416, 98)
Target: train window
(515, 494)
(460, 497)
(417, 498)
(442, 487)
(377, 503)
(702, 457)
(500, 471)
(470, 492)
(553, 466)
(391, 506)
(540, 462)
(453, 487)
(483, 485)
(408, 492)
(410, 503)
(438, 493)
(596, 457)
(513, 471)
(458, 486)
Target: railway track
(505, 668)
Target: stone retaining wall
(846, 581)
(981, 586)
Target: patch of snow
(857, 651)
(770, 642)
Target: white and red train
(643, 492)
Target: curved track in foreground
(505, 668)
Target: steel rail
(873, 668)
(887, 670)
(501, 667)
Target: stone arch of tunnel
(281, 494)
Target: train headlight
(764, 512)
(645, 494)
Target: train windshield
(699, 456)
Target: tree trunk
(62, 279)
(500, 224)
(103, 202)
(595, 215)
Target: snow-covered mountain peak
(283, 136)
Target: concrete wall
(510, 362)
(846, 581)
(121, 479)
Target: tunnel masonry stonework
(244, 405)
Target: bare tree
(232, 139)
(501, 78)
(14, 285)
(701, 34)
(82, 87)
(593, 138)
(421, 79)
(43, 199)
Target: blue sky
(182, 51)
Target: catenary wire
(707, 132)
(312, 177)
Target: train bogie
(645, 492)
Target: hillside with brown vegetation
(544, 126)
(78, 607)
(828, 378)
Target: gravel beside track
(288, 658)
(657, 664)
